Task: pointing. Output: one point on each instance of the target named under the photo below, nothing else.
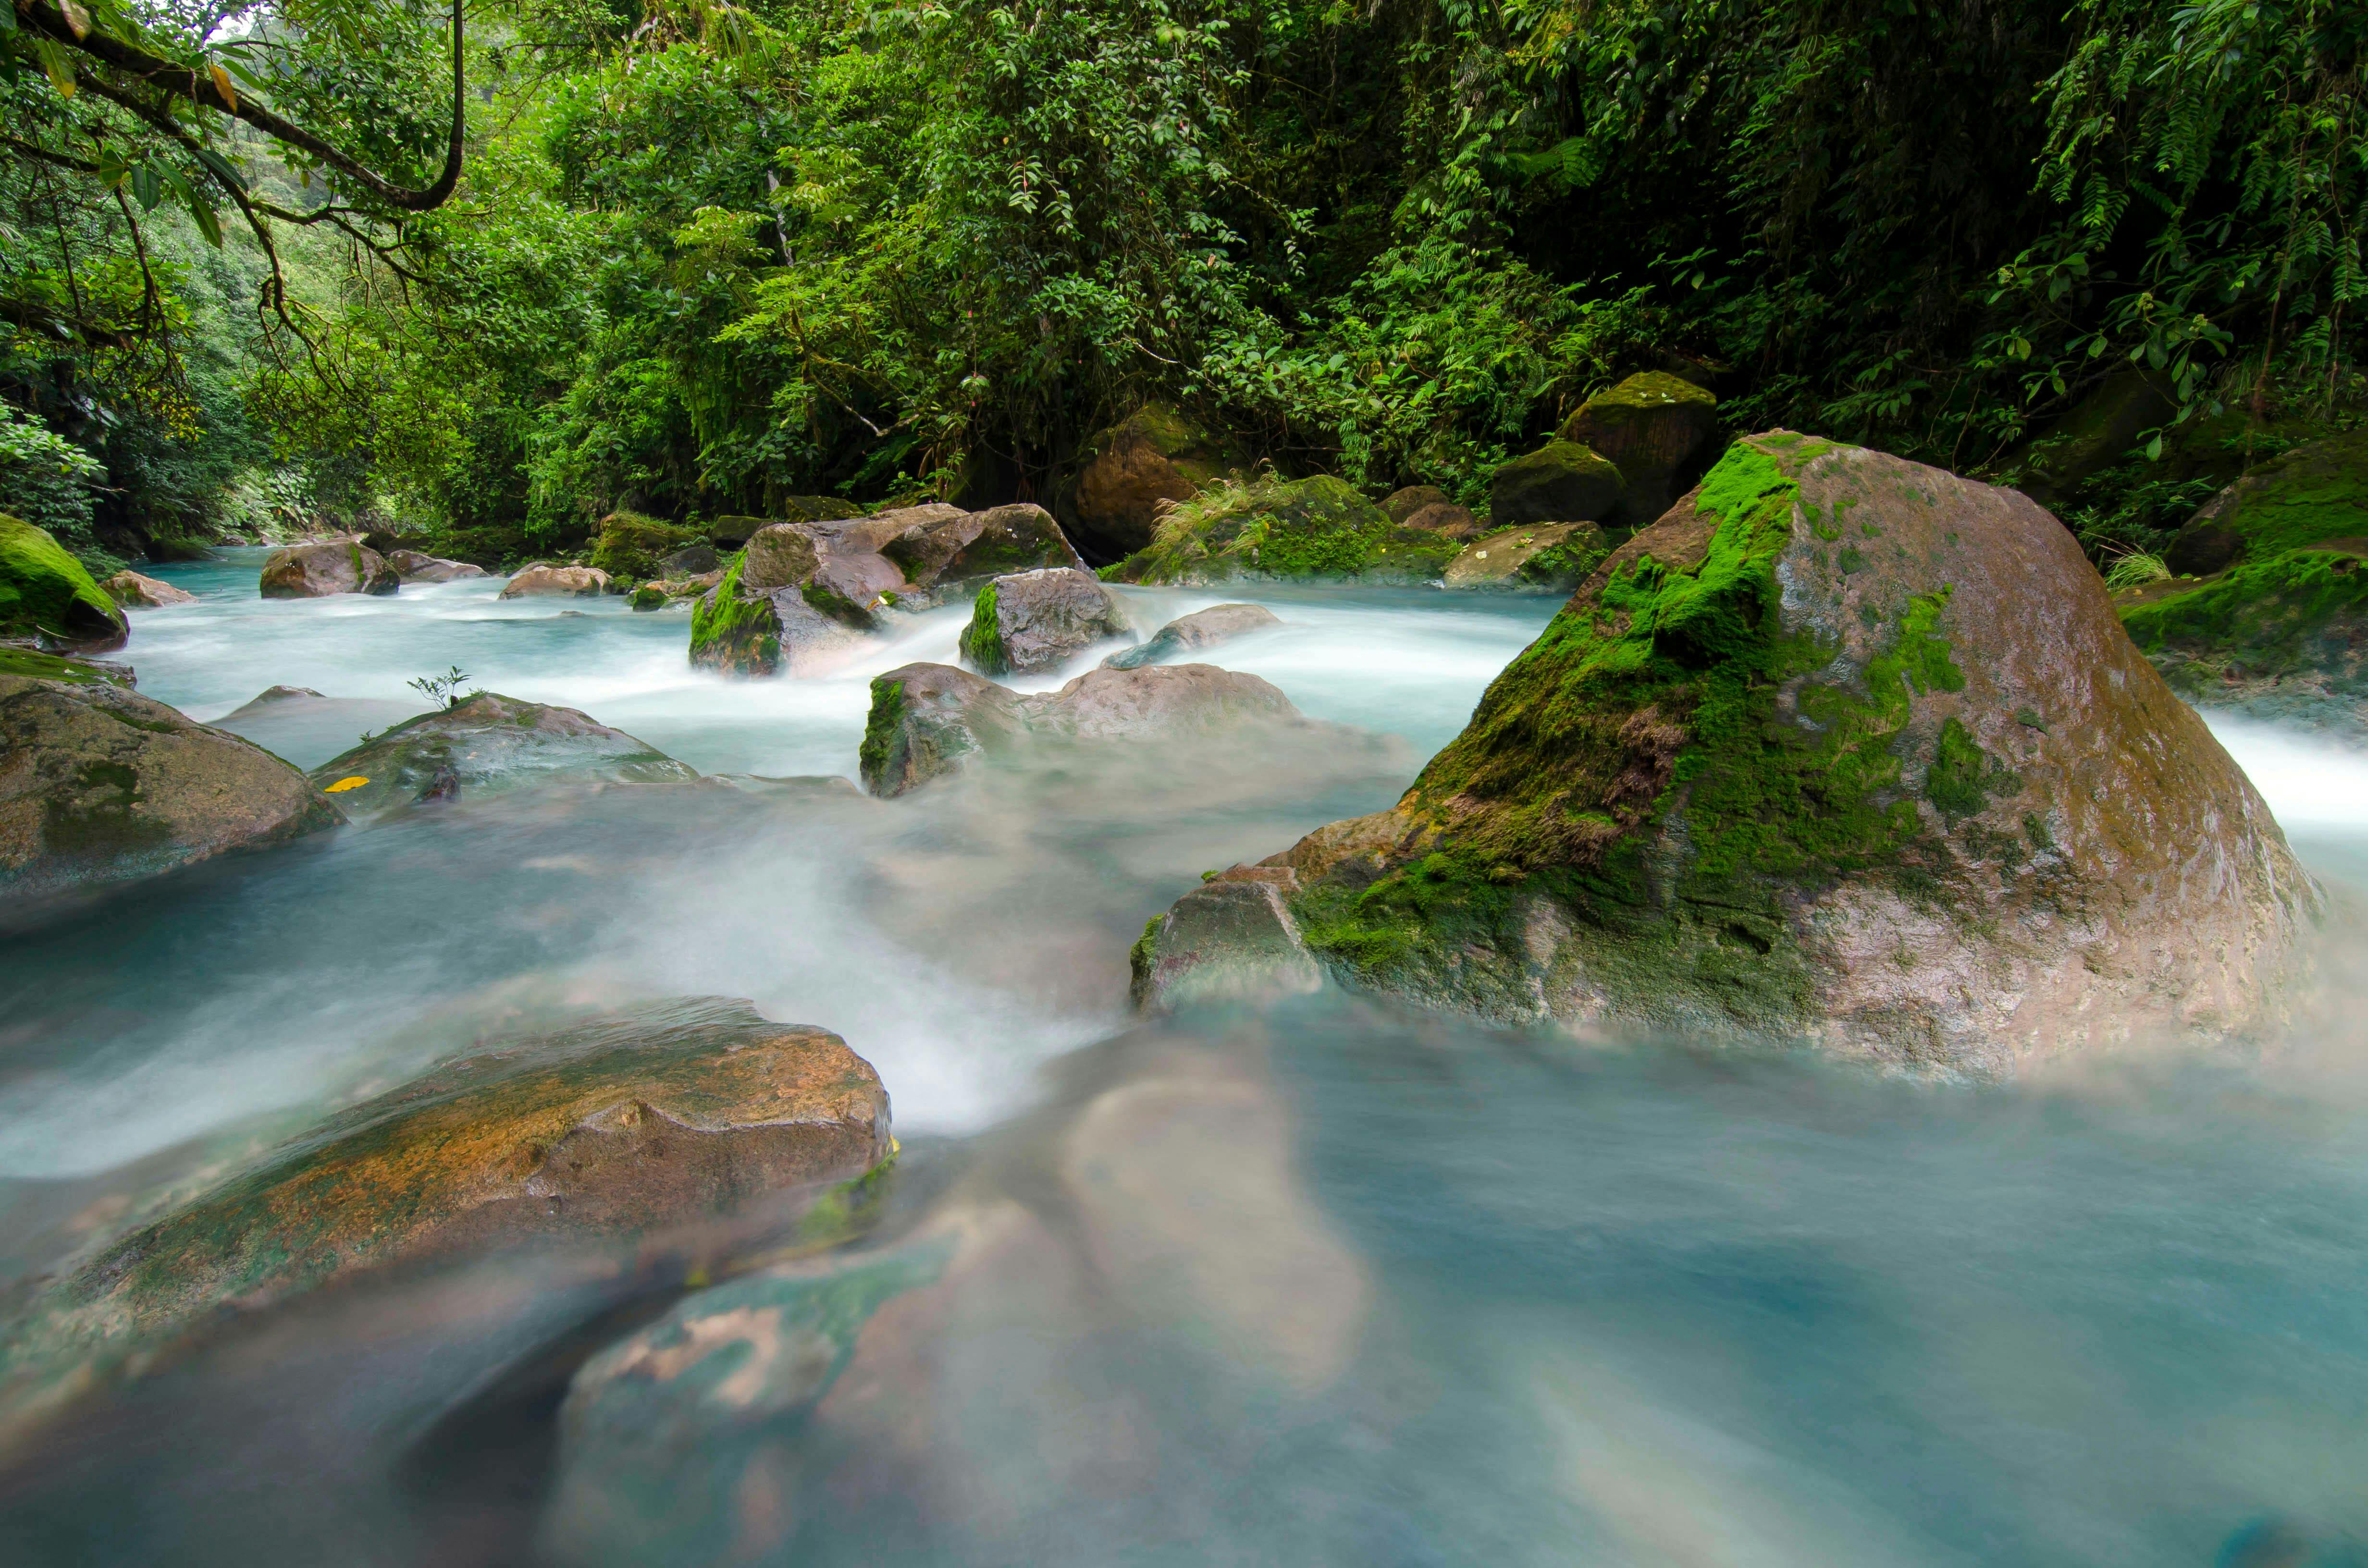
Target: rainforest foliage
(699, 257)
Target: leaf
(220, 166)
(77, 17)
(222, 85)
(55, 65)
(147, 186)
(2154, 448)
(208, 224)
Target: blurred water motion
(1328, 1283)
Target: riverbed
(1416, 1292)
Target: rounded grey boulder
(1034, 620)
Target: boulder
(691, 561)
(99, 785)
(850, 585)
(742, 628)
(1034, 620)
(483, 744)
(1447, 521)
(1189, 634)
(2097, 433)
(954, 554)
(1400, 504)
(668, 591)
(330, 567)
(1231, 939)
(26, 657)
(1562, 482)
(1318, 529)
(556, 582)
(132, 591)
(731, 532)
(782, 555)
(1132, 472)
(927, 720)
(45, 594)
(413, 566)
(631, 545)
(2276, 624)
(1542, 556)
(307, 728)
(1845, 749)
(1650, 428)
(612, 1126)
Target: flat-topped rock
(1562, 482)
(416, 566)
(1315, 529)
(556, 582)
(324, 570)
(1649, 426)
(1190, 633)
(132, 591)
(488, 743)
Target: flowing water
(1324, 1282)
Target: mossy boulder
(1131, 472)
(1562, 482)
(631, 545)
(100, 785)
(956, 554)
(1446, 521)
(2276, 621)
(324, 570)
(46, 595)
(1843, 749)
(1032, 622)
(609, 1126)
(924, 720)
(1652, 427)
(1540, 557)
(1232, 939)
(740, 627)
(1315, 529)
(666, 592)
(1191, 633)
(486, 744)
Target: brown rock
(1445, 520)
(1545, 556)
(1035, 620)
(1651, 426)
(132, 591)
(413, 566)
(1401, 505)
(332, 566)
(1189, 634)
(1131, 471)
(1156, 702)
(556, 582)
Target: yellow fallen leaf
(342, 785)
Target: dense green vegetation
(701, 258)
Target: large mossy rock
(632, 547)
(46, 595)
(1316, 530)
(1843, 748)
(926, 719)
(1562, 482)
(1131, 472)
(1032, 621)
(486, 744)
(1650, 426)
(1232, 939)
(324, 570)
(99, 785)
(763, 617)
(630, 1121)
(2277, 625)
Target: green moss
(2269, 616)
(982, 641)
(1318, 529)
(632, 546)
(45, 591)
(884, 730)
(837, 606)
(1145, 952)
(52, 667)
(734, 633)
(1963, 778)
(99, 815)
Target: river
(1376, 1287)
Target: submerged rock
(1133, 470)
(2277, 627)
(46, 595)
(556, 582)
(1562, 482)
(1189, 634)
(1315, 529)
(1036, 620)
(630, 1121)
(326, 569)
(1650, 428)
(132, 591)
(100, 785)
(488, 743)
(926, 719)
(416, 566)
(1231, 939)
(1539, 556)
(1843, 748)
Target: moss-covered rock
(630, 546)
(924, 720)
(1843, 748)
(1032, 622)
(1446, 521)
(100, 785)
(1231, 939)
(1129, 472)
(952, 555)
(2275, 620)
(741, 629)
(1316, 530)
(45, 593)
(1652, 427)
(633, 1120)
(1562, 482)
(484, 744)
(1539, 558)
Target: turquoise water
(1330, 1283)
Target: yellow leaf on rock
(342, 785)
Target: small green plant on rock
(444, 690)
(2135, 569)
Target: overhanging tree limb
(197, 87)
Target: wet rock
(1133, 470)
(1844, 749)
(488, 743)
(413, 566)
(132, 591)
(100, 785)
(957, 553)
(1540, 557)
(1035, 620)
(46, 597)
(556, 582)
(740, 629)
(331, 567)
(1400, 504)
(307, 728)
(1650, 428)
(1562, 482)
(630, 546)
(2277, 625)
(1189, 634)
(1447, 521)
(780, 556)
(614, 1126)
(731, 532)
(668, 591)
(1161, 701)
(1318, 529)
(1231, 939)
(924, 720)
(850, 585)
(26, 657)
